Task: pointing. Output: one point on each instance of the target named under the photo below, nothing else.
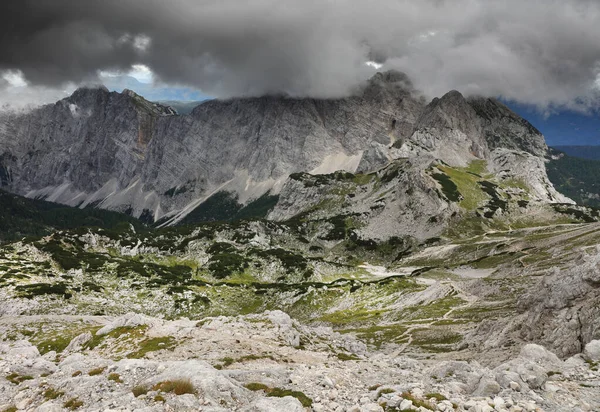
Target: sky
(562, 128)
(541, 56)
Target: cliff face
(120, 152)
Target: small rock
(372, 407)
(406, 405)
(23, 404)
(327, 381)
(286, 403)
(592, 351)
(488, 387)
(49, 407)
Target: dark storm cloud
(544, 52)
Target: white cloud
(142, 42)
(374, 65)
(14, 78)
(140, 72)
(542, 52)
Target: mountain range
(123, 153)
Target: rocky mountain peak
(450, 111)
(504, 128)
(394, 77)
(88, 95)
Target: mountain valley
(372, 253)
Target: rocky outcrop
(399, 199)
(449, 129)
(562, 312)
(502, 127)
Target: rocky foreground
(265, 362)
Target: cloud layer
(542, 52)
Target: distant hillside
(584, 152)
(182, 107)
(576, 177)
(21, 217)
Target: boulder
(129, 320)
(77, 342)
(287, 404)
(592, 351)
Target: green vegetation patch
(39, 289)
(289, 260)
(223, 265)
(97, 371)
(449, 188)
(52, 393)
(178, 387)
(73, 404)
(115, 377)
(380, 335)
(153, 345)
(17, 379)
(461, 184)
(280, 393)
(140, 390)
(347, 356)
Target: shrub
(17, 379)
(73, 404)
(347, 357)
(280, 393)
(224, 265)
(178, 387)
(140, 390)
(76, 373)
(417, 402)
(52, 393)
(159, 398)
(96, 371)
(152, 345)
(255, 386)
(38, 289)
(437, 396)
(115, 377)
(227, 361)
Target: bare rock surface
(246, 363)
